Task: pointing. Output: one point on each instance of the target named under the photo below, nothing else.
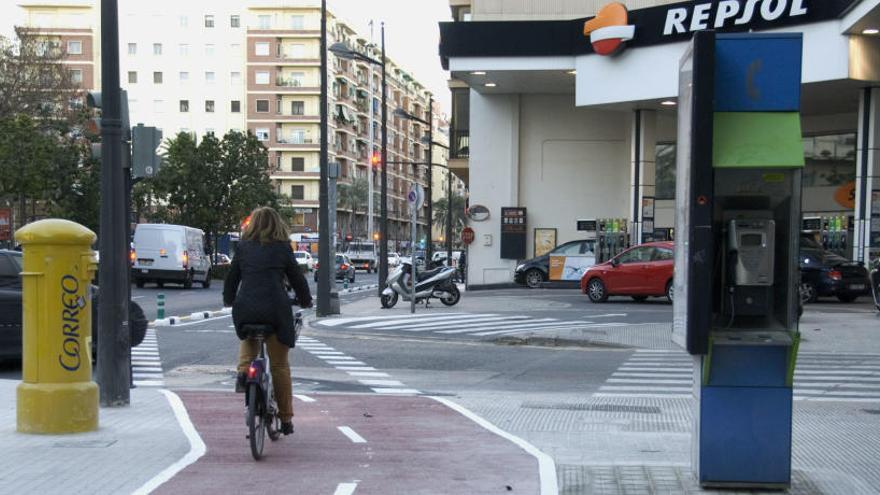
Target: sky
(411, 33)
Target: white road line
(304, 398)
(837, 399)
(836, 372)
(325, 353)
(345, 489)
(654, 375)
(351, 434)
(382, 383)
(644, 396)
(628, 388)
(338, 358)
(356, 368)
(396, 391)
(342, 321)
(542, 327)
(658, 351)
(838, 386)
(374, 374)
(837, 379)
(609, 315)
(546, 465)
(196, 446)
(414, 319)
(150, 383)
(648, 381)
(495, 325)
(469, 322)
(146, 368)
(649, 368)
(347, 363)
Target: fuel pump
(736, 269)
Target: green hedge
(219, 272)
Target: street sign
(467, 235)
(416, 196)
(144, 142)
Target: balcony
(459, 145)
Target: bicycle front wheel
(255, 421)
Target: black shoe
(240, 383)
(287, 427)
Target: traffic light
(95, 101)
(144, 141)
(376, 160)
(375, 236)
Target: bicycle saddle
(254, 329)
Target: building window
(264, 21)
(297, 192)
(209, 132)
(209, 50)
(157, 48)
(209, 77)
(297, 22)
(235, 77)
(158, 106)
(297, 108)
(262, 133)
(664, 160)
(184, 21)
(234, 21)
(184, 106)
(297, 78)
(261, 49)
(298, 164)
(157, 78)
(184, 76)
(74, 47)
(209, 21)
(297, 51)
(262, 77)
(262, 106)
(209, 106)
(76, 76)
(132, 77)
(235, 49)
(236, 106)
(279, 109)
(132, 48)
(184, 49)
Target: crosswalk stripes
(819, 376)
(470, 324)
(146, 366)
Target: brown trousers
(279, 367)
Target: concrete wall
(576, 160)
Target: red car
(640, 272)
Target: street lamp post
(343, 51)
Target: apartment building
(596, 133)
(208, 67)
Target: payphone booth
(736, 268)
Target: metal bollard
(57, 394)
(160, 306)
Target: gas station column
(642, 168)
(867, 228)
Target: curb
(557, 342)
(360, 288)
(198, 315)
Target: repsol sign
(71, 353)
(729, 13)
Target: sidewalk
(131, 446)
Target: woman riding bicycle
(256, 291)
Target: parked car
(393, 260)
(826, 274)
(11, 309)
(532, 273)
(221, 259)
(344, 269)
(640, 272)
(170, 253)
(305, 260)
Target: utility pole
(324, 235)
(371, 175)
(383, 225)
(114, 337)
(429, 190)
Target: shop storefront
(576, 119)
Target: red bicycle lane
(375, 444)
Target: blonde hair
(266, 226)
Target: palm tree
(459, 219)
(353, 197)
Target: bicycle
(262, 410)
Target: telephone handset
(750, 248)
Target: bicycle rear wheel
(255, 421)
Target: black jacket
(255, 287)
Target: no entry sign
(467, 235)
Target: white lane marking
(645, 396)
(546, 465)
(647, 381)
(148, 376)
(382, 383)
(608, 315)
(839, 386)
(495, 324)
(338, 358)
(836, 399)
(687, 374)
(837, 379)
(342, 321)
(468, 322)
(314, 347)
(346, 363)
(356, 368)
(396, 391)
(147, 368)
(304, 398)
(150, 383)
(196, 446)
(345, 489)
(137, 297)
(414, 319)
(325, 353)
(351, 434)
(627, 388)
(374, 374)
(835, 372)
(645, 368)
(559, 325)
(657, 351)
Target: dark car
(344, 269)
(11, 312)
(641, 272)
(826, 274)
(536, 271)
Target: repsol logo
(729, 13)
(70, 357)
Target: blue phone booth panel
(758, 73)
(745, 435)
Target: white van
(169, 253)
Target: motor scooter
(437, 283)
(875, 282)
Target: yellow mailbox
(57, 394)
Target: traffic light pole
(114, 337)
(325, 236)
(383, 200)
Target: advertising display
(569, 268)
(545, 241)
(513, 233)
